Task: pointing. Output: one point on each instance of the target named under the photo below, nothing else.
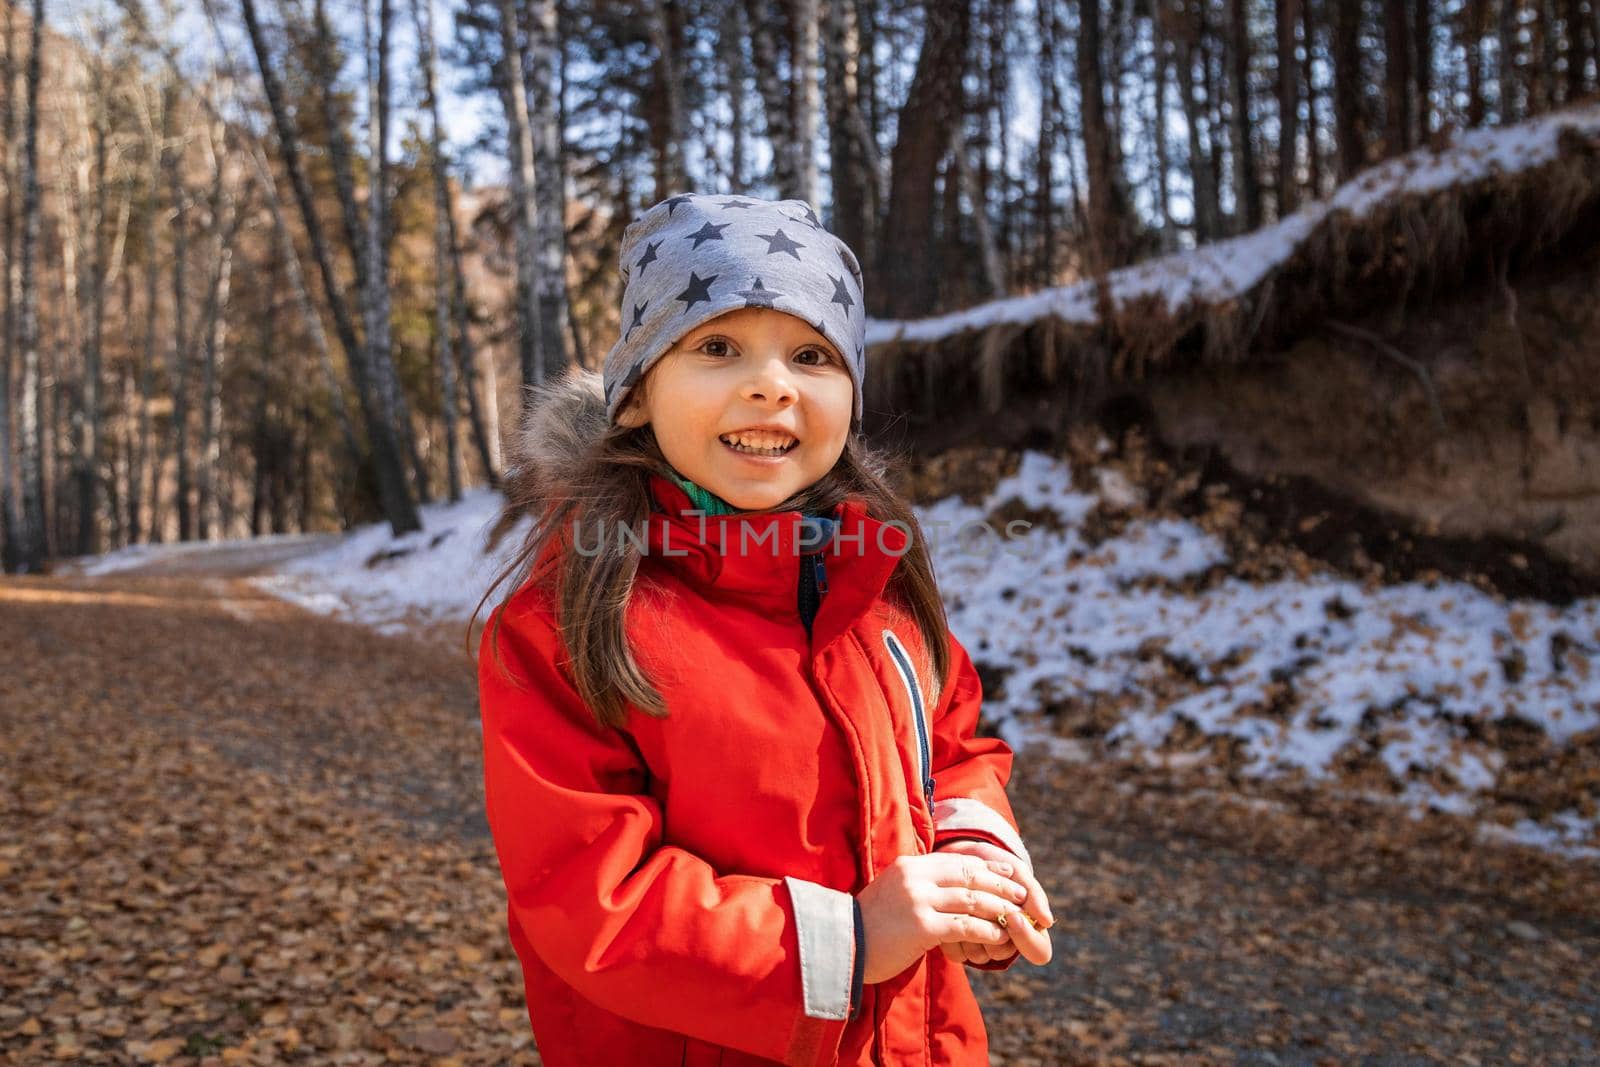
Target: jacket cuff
(956, 816)
(972, 835)
(859, 971)
(825, 921)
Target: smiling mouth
(746, 450)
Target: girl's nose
(770, 382)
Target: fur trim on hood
(561, 422)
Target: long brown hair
(603, 477)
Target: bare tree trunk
(524, 195)
(549, 161)
(394, 494)
(1207, 206)
(1077, 211)
(224, 224)
(127, 471)
(909, 273)
(1113, 43)
(309, 316)
(1349, 128)
(1011, 189)
(324, 69)
(368, 233)
(988, 255)
(1509, 108)
(1214, 79)
(857, 194)
(265, 455)
(119, 429)
(669, 123)
(775, 96)
(982, 110)
(52, 400)
(1307, 71)
(10, 515)
(405, 425)
(1577, 43)
(211, 425)
(31, 546)
(396, 410)
(1288, 108)
(485, 418)
(1247, 179)
(1159, 50)
(1545, 19)
(1594, 34)
(1396, 78)
(143, 466)
(63, 392)
(444, 357)
(1044, 161)
(733, 28)
(1108, 218)
(66, 389)
(1474, 34)
(178, 352)
(806, 98)
(872, 107)
(1422, 42)
(90, 493)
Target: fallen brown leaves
(169, 902)
(234, 833)
(1198, 925)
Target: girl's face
(748, 368)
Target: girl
(730, 763)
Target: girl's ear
(632, 413)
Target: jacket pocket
(918, 714)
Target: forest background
(287, 267)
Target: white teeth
(738, 445)
(761, 442)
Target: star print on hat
(693, 256)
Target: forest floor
(235, 832)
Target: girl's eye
(717, 346)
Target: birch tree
(31, 546)
(443, 250)
(550, 236)
(394, 494)
(907, 263)
(857, 170)
(524, 193)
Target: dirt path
(231, 831)
(219, 559)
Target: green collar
(707, 501)
(704, 499)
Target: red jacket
(681, 891)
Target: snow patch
(1225, 270)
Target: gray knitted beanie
(693, 257)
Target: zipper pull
(821, 573)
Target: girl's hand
(1034, 944)
(920, 901)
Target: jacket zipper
(908, 676)
(813, 583)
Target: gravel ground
(234, 832)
